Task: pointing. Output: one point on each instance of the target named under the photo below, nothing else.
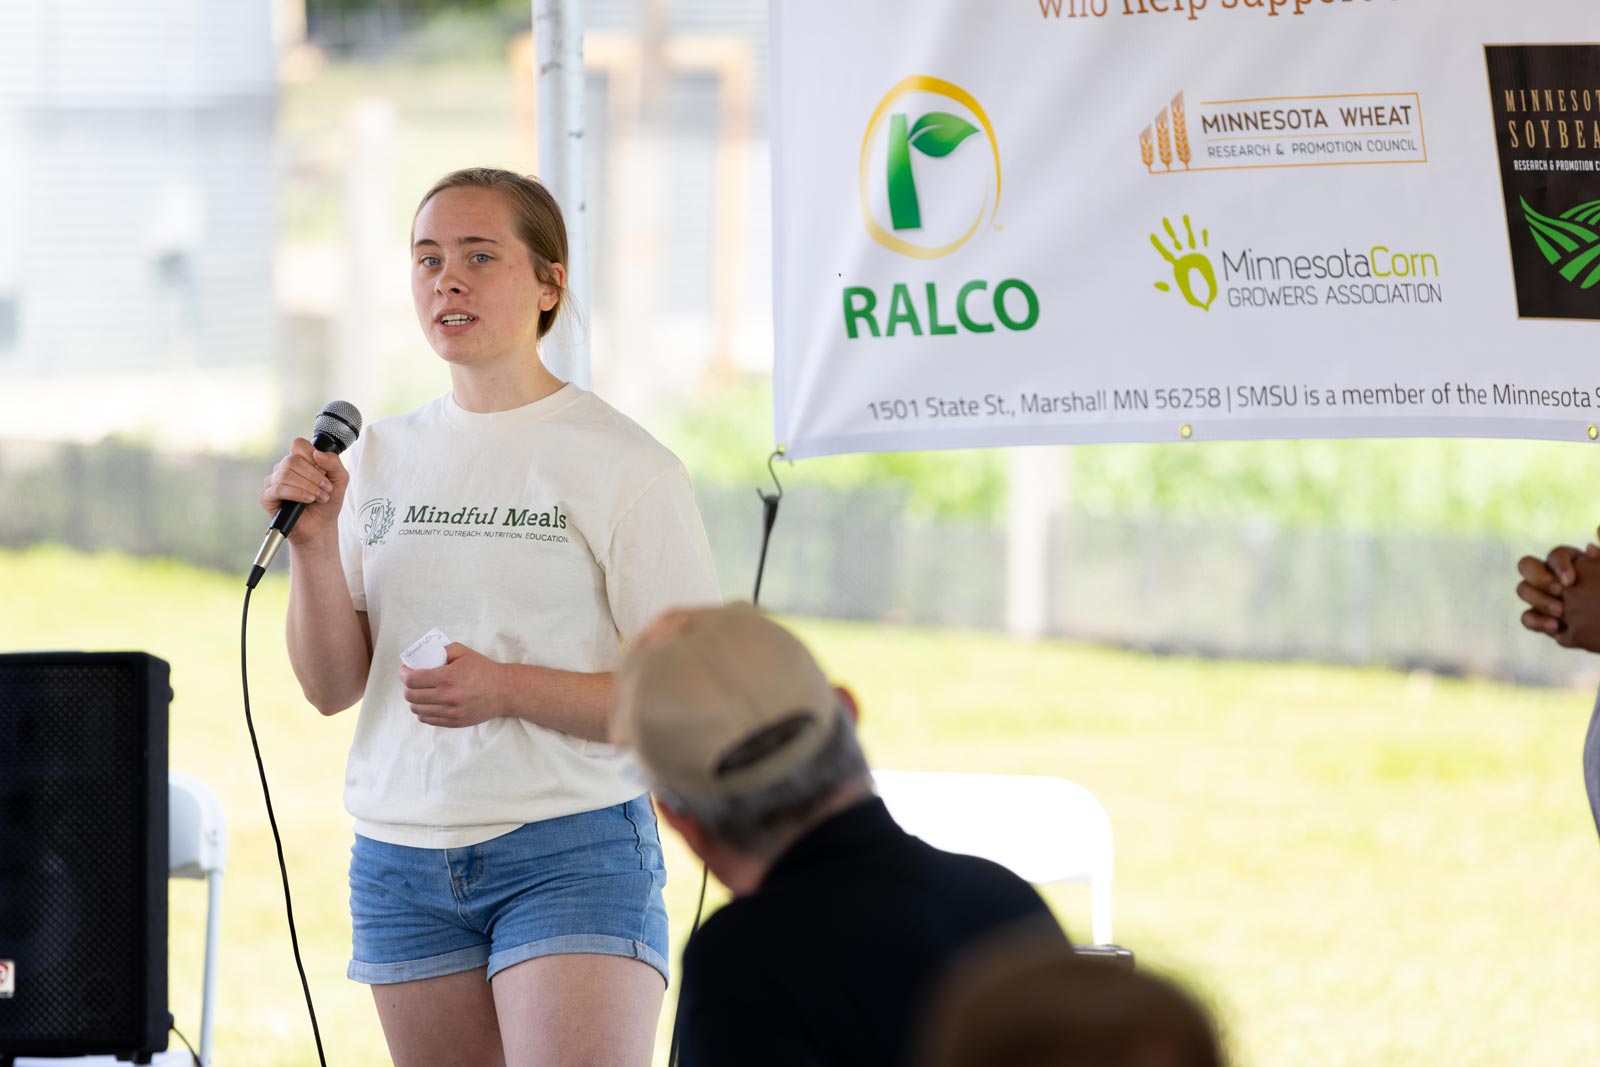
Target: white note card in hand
(426, 652)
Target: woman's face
(472, 280)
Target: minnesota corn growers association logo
(1193, 274)
(928, 179)
(1250, 276)
(1569, 242)
(376, 517)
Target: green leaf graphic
(937, 134)
(1569, 243)
(904, 211)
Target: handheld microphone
(337, 427)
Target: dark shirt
(830, 960)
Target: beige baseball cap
(721, 702)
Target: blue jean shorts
(589, 882)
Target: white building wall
(136, 242)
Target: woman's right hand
(315, 479)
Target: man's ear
(686, 827)
(847, 701)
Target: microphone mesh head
(341, 421)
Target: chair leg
(208, 998)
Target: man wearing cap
(842, 923)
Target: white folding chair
(1047, 830)
(197, 844)
(197, 837)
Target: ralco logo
(924, 192)
(928, 182)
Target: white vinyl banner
(1004, 222)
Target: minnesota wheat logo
(1283, 131)
(931, 217)
(1570, 243)
(1171, 136)
(376, 517)
(1187, 264)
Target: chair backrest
(1047, 830)
(197, 835)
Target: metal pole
(1035, 493)
(559, 86)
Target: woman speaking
(505, 882)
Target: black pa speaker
(83, 854)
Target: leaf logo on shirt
(376, 517)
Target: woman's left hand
(468, 689)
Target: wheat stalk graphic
(1146, 151)
(1180, 130)
(1163, 142)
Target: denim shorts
(589, 882)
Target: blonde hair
(537, 221)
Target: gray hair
(755, 823)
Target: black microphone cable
(769, 518)
(337, 427)
(277, 840)
(193, 1055)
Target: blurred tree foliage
(1520, 490)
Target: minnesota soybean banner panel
(1032, 221)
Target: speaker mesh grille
(78, 841)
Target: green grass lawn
(1354, 867)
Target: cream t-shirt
(548, 535)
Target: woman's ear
(550, 295)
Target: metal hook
(778, 452)
(769, 515)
